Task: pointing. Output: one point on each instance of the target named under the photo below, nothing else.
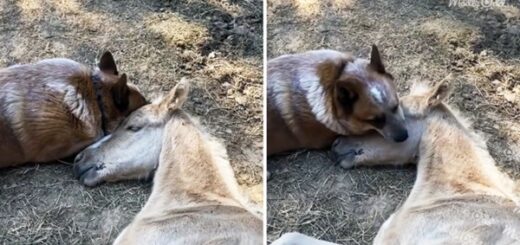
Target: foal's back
(211, 224)
(469, 219)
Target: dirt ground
(217, 44)
(419, 40)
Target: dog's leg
(374, 150)
(295, 238)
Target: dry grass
(179, 32)
(419, 40)
(215, 43)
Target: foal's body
(459, 196)
(195, 199)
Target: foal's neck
(454, 161)
(194, 168)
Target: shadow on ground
(217, 44)
(424, 40)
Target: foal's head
(133, 150)
(423, 99)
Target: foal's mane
(220, 159)
(422, 88)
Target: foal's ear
(177, 95)
(438, 93)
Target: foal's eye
(133, 128)
(394, 109)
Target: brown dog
(55, 107)
(315, 96)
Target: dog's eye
(133, 128)
(394, 109)
(378, 121)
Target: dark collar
(96, 81)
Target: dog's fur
(459, 196)
(195, 197)
(315, 96)
(51, 109)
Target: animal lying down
(459, 196)
(195, 197)
(55, 107)
(316, 96)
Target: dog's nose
(401, 136)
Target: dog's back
(52, 109)
(47, 107)
(315, 96)
(290, 80)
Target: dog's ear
(438, 94)
(120, 93)
(329, 71)
(375, 60)
(345, 93)
(107, 64)
(177, 95)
